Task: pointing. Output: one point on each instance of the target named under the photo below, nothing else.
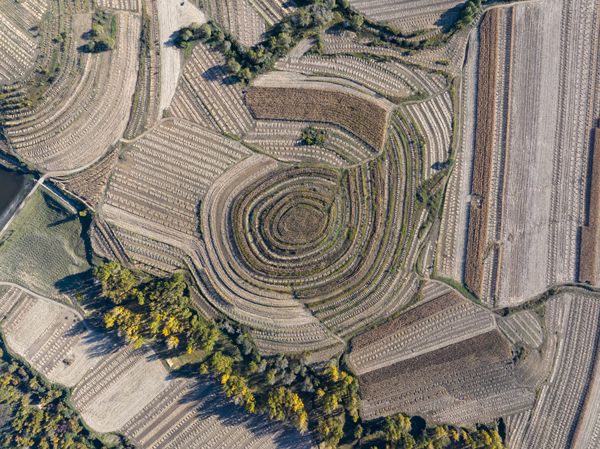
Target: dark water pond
(13, 187)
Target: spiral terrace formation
(279, 235)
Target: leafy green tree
(357, 22)
(117, 282)
(396, 427)
(331, 430)
(221, 363)
(285, 405)
(233, 65)
(313, 136)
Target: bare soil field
(272, 11)
(18, 37)
(437, 356)
(590, 238)
(205, 94)
(116, 388)
(126, 5)
(171, 17)
(565, 414)
(533, 198)
(484, 143)
(90, 184)
(479, 383)
(411, 15)
(84, 112)
(239, 17)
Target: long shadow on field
(77, 285)
(212, 403)
(449, 17)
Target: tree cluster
(103, 35)
(154, 311)
(245, 63)
(398, 435)
(34, 414)
(466, 17)
(313, 136)
(322, 400)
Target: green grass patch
(42, 249)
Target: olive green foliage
(309, 20)
(468, 12)
(285, 405)
(313, 136)
(321, 400)
(34, 414)
(42, 249)
(103, 35)
(398, 435)
(430, 195)
(153, 311)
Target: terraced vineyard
(565, 413)
(408, 15)
(18, 37)
(126, 390)
(341, 215)
(445, 334)
(525, 86)
(92, 95)
(240, 17)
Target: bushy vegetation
(309, 20)
(470, 9)
(103, 35)
(313, 136)
(323, 400)
(34, 414)
(154, 310)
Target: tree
(285, 405)
(357, 22)
(396, 427)
(233, 65)
(205, 31)
(284, 40)
(236, 387)
(358, 432)
(186, 35)
(97, 30)
(117, 282)
(313, 136)
(201, 335)
(221, 363)
(331, 403)
(245, 74)
(271, 377)
(331, 429)
(127, 322)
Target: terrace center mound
(301, 223)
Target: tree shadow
(172, 40)
(212, 403)
(81, 285)
(63, 221)
(215, 73)
(440, 165)
(99, 344)
(449, 17)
